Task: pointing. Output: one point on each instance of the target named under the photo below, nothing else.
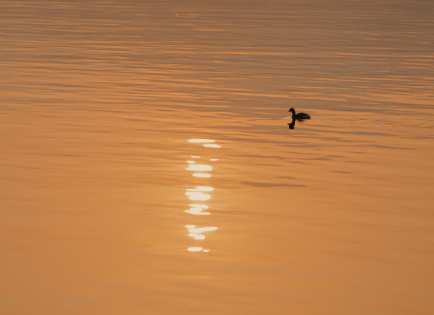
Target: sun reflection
(199, 167)
(196, 249)
(199, 193)
(196, 233)
(197, 205)
(201, 140)
(211, 145)
(196, 230)
(197, 211)
(205, 175)
(201, 188)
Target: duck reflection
(292, 124)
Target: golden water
(147, 167)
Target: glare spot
(195, 249)
(195, 157)
(213, 160)
(190, 226)
(194, 211)
(204, 188)
(201, 188)
(201, 230)
(196, 195)
(197, 209)
(199, 168)
(206, 250)
(202, 175)
(201, 140)
(211, 146)
(199, 206)
(196, 233)
(191, 162)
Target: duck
(299, 116)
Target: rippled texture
(103, 211)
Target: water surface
(147, 166)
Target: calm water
(147, 167)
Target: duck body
(299, 116)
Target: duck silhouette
(299, 116)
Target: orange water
(102, 208)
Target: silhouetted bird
(299, 116)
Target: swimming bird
(299, 116)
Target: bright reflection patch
(201, 188)
(195, 157)
(213, 160)
(205, 175)
(199, 167)
(199, 206)
(197, 211)
(191, 162)
(211, 146)
(197, 195)
(204, 188)
(196, 233)
(201, 140)
(195, 249)
(196, 230)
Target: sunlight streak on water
(198, 196)
(204, 175)
(211, 146)
(197, 211)
(201, 188)
(199, 168)
(200, 140)
(199, 205)
(195, 249)
(197, 193)
(201, 230)
(196, 233)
